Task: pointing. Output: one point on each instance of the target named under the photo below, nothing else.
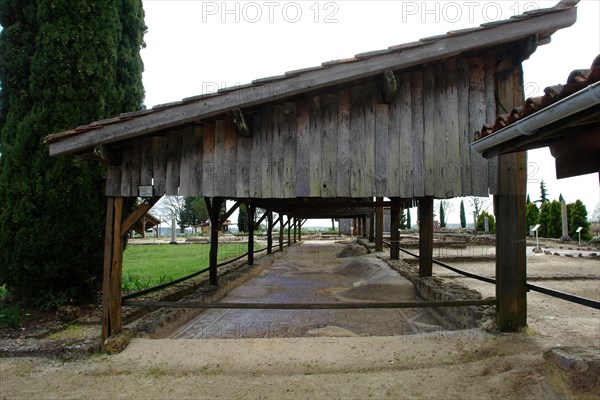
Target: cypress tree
(408, 221)
(242, 218)
(578, 218)
(63, 64)
(532, 215)
(442, 216)
(463, 217)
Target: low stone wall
(438, 289)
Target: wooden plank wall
(347, 143)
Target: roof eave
(253, 95)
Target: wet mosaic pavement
(311, 273)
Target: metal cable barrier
(185, 278)
(550, 292)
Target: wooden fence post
(269, 232)
(251, 212)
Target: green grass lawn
(149, 265)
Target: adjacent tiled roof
(178, 113)
(578, 79)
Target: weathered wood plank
(418, 133)
(185, 163)
(369, 137)
(277, 158)
(477, 116)
(255, 183)
(463, 127)
(126, 189)
(173, 163)
(159, 164)
(243, 166)
(453, 155)
(490, 102)
(220, 169)
(382, 120)
(289, 135)
(428, 118)
(146, 162)
(343, 146)
(303, 148)
(136, 159)
(406, 137)
(229, 158)
(425, 212)
(329, 144)
(439, 132)
(208, 160)
(266, 133)
(197, 165)
(316, 132)
(394, 169)
(357, 139)
(113, 180)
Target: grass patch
(150, 265)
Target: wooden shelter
(335, 141)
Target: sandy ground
(442, 365)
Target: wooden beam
(511, 271)
(394, 230)
(269, 232)
(295, 229)
(240, 122)
(231, 211)
(108, 251)
(216, 204)
(372, 227)
(138, 213)
(379, 229)
(334, 74)
(113, 268)
(251, 212)
(281, 233)
(288, 231)
(262, 218)
(425, 211)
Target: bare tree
(168, 208)
(479, 204)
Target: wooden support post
(108, 247)
(364, 222)
(379, 227)
(295, 228)
(300, 223)
(251, 211)
(289, 232)
(511, 271)
(214, 208)
(425, 236)
(280, 232)
(395, 229)
(372, 227)
(269, 232)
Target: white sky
(193, 47)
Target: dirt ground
(469, 364)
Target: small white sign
(535, 228)
(579, 229)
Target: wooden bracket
(138, 213)
(240, 122)
(390, 86)
(107, 155)
(231, 211)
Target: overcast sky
(195, 47)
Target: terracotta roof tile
(577, 80)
